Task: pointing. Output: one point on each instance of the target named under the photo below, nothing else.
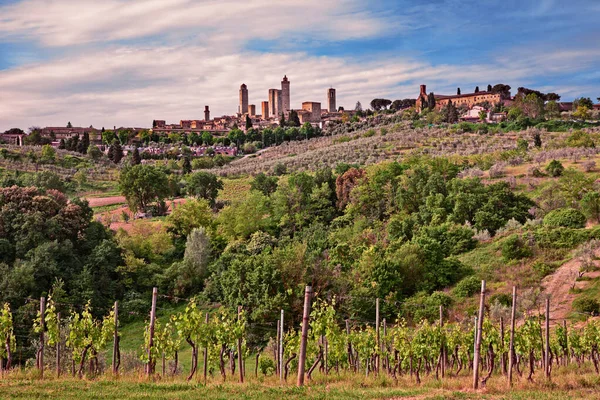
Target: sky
(127, 62)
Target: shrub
(421, 306)
(561, 238)
(579, 139)
(589, 166)
(565, 217)
(515, 248)
(555, 168)
(369, 133)
(543, 269)
(503, 299)
(586, 305)
(266, 366)
(467, 287)
(279, 169)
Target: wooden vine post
(40, 358)
(478, 337)
(205, 354)
(58, 346)
(239, 349)
(116, 354)
(378, 339)
(442, 347)
(281, 366)
(547, 344)
(511, 346)
(149, 369)
(304, 337)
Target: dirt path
(105, 201)
(559, 284)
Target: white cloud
(71, 22)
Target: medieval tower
(243, 108)
(331, 101)
(206, 114)
(275, 107)
(265, 109)
(285, 96)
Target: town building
(265, 110)
(331, 100)
(310, 112)
(468, 99)
(243, 107)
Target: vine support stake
(239, 349)
(511, 346)
(205, 354)
(442, 347)
(149, 369)
(40, 360)
(58, 346)
(305, 320)
(378, 357)
(566, 342)
(281, 366)
(503, 358)
(547, 345)
(115, 353)
(276, 349)
(476, 356)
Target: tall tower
(285, 96)
(206, 114)
(243, 108)
(331, 100)
(275, 106)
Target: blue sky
(127, 62)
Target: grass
(567, 383)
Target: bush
(503, 299)
(561, 238)
(579, 139)
(586, 305)
(279, 169)
(543, 269)
(421, 306)
(515, 248)
(266, 366)
(555, 168)
(565, 217)
(467, 287)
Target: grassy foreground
(568, 385)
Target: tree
(537, 140)
(207, 138)
(61, 144)
(83, 145)
(552, 110)
(186, 166)
(584, 102)
(555, 168)
(94, 152)
(135, 157)
(502, 90)
(458, 91)
(358, 106)
(203, 185)
(294, 120)
(115, 151)
(248, 122)
(590, 205)
(143, 185)
(489, 88)
(69, 125)
(450, 113)
(380, 104)
(282, 120)
(431, 101)
(482, 115)
(192, 214)
(582, 113)
(48, 154)
(532, 105)
(476, 89)
(264, 183)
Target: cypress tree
(431, 101)
(187, 166)
(135, 157)
(476, 89)
(62, 144)
(489, 88)
(282, 120)
(248, 122)
(458, 92)
(115, 152)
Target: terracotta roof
(458, 96)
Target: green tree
(186, 165)
(248, 122)
(48, 154)
(294, 120)
(264, 183)
(555, 168)
(245, 217)
(94, 152)
(552, 110)
(135, 157)
(582, 112)
(115, 152)
(585, 102)
(194, 213)
(203, 185)
(590, 205)
(143, 185)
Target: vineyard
(526, 348)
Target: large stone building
(285, 96)
(310, 112)
(275, 107)
(265, 110)
(243, 107)
(468, 99)
(331, 100)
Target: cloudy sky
(127, 62)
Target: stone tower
(265, 109)
(252, 110)
(331, 101)
(243, 108)
(275, 107)
(206, 114)
(285, 96)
